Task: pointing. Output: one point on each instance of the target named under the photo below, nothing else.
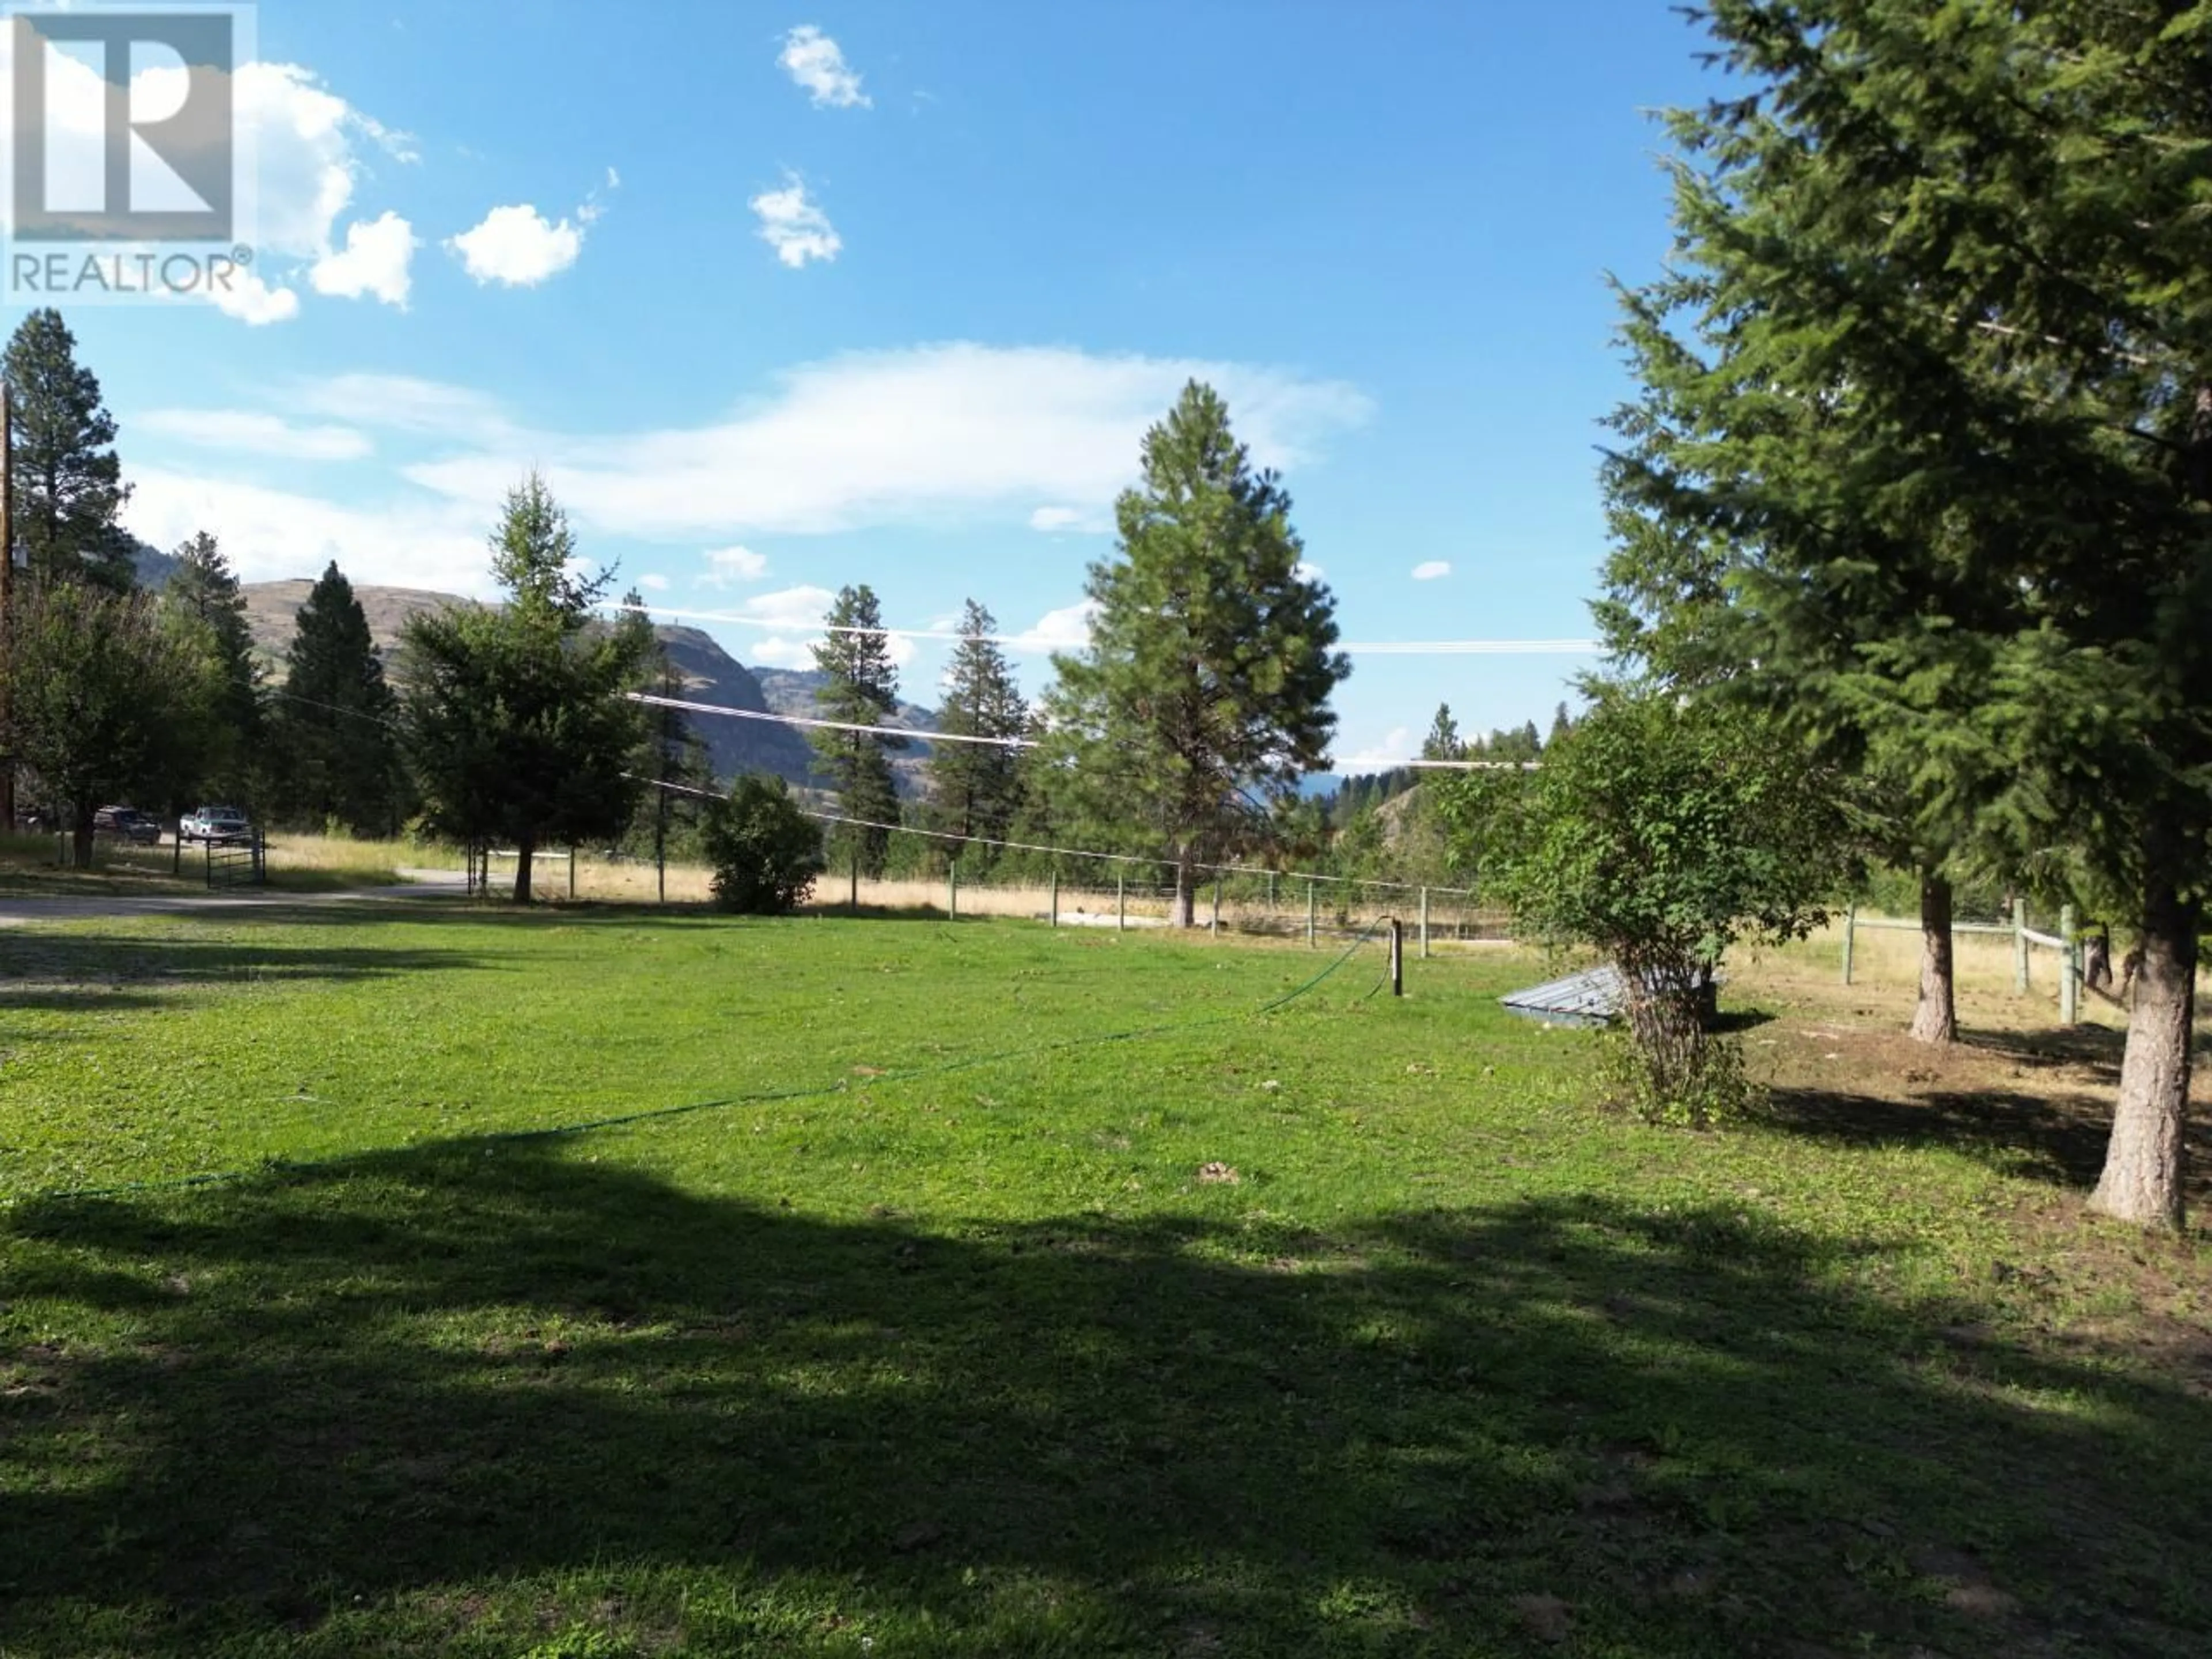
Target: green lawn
(924, 1335)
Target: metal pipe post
(2069, 968)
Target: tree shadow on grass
(402, 1404)
(2057, 1138)
(90, 969)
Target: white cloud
(518, 247)
(817, 65)
(776, 652)
(405, 403)
(1434, 570)
(1066, 629)
(593, 210)
(1396, 749)
(254, 433)
(375, 262)
(1051, 518)
(310, 147)
(652, 583)
(272, 533)
(789, 609)
(727, 564)
(935, 433)
(1307, 571)
(795, 227)
(255, 302)
(932, 437)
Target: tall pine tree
(1950, 282)
(518, 726)
(1203, 697)
(976, 788)
(861, 689)
(203, 589)
(334, 724)
(67, 481)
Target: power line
(1074, 852)
(822, 726)
(1031, 642)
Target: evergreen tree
(96, 685)
(671, 760)
(976, 787)
(204, 590)
(862, 690)
(517, 726)
(335, 723)
(1945, 407)
(1443, 742)
(1562, 723)
(67, 481)
(1203, 697)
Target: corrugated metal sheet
(1593, 997)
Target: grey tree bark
(1936, 1018)
(2142, 1178)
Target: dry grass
(1886, 977)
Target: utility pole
(7, 601)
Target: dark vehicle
(128, 823)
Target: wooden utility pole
(7, 601)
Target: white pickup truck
(215, 823)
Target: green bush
(765, 851)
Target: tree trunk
(2142, 1182)
(1936, 1017)
(1186, 890)
(525, 854)
(81, 839)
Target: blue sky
(786, 297)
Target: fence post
(1121, 901)
(952, 890)
(2070, 970)
(1312, 914)
(572, 873)
(1397, 958)
(2020, 944)
(853, 891)
(1055, 898)
(1216, 905)
(1425, 924)
(1851, 930)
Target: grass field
(1016, 1292)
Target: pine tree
(335, 721)
(203, 589)
(1203, 697)
(517, 724)
(861, 690)
(97, 684)
(976, 786)
(1443, 742)
(1933, 424)
(671, 760)
(67, 481)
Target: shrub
(765, 851)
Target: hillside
(795, 691)
(709, 674)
